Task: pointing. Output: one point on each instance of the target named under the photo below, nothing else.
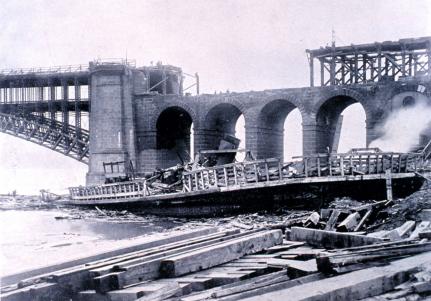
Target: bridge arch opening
(341, 125)
(223, 119)
(174, 127)
(279, 130)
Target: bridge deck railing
(271, 170)
(48, 70)
(321, 165)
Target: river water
(35, 234)
(34, 238)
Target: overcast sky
(234, 45)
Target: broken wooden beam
(351, 286)
(363, 220)
(295, 268)
(350, 222)
(220, 253)
(329, 239)
(332, 220)
(422, 227)
(402, 231)
(329, 263)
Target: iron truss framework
(46, 107)
(72, 142)
(367, 63)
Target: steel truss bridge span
(65, 139)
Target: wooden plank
(144, 243)
(332, 220)
(285, 246)
(37, 292)
(331, 262)
(161, 294)
(267, 171)
(92, 295)
(302, 253)
(240, 289)
(358, 285)
(259, 290)
(148, 267)
(402, 231)
(329, 239)
(142, 290)
(422, 227)
(389, 196)
(235, 286)
(294, 267)
(363, 220)
(197, 283)
(350, 222)
(151, 289)
(221, 253)
(146, 255)
(77, 277)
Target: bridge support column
(77, 109)
(51, 100)
(200, 140)
(265, 142)
(111, 120)
(40, 97)
(206, 139)
(310, 137)
(64, 104)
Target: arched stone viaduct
(153, 130)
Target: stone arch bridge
(115, 111)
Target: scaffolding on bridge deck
(365, 63)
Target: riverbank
(36, 233)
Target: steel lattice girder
(74, 142)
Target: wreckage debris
(347, 251)
(308, 262)
(214, 171)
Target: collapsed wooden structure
(357, 165)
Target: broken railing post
(388, 174)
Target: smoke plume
(403, 127)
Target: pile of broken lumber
(351, 219)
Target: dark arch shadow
(219, 121)
(271, 119)
(173, 134)
(327, 118)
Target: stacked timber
(305, 264)
(122, 274)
